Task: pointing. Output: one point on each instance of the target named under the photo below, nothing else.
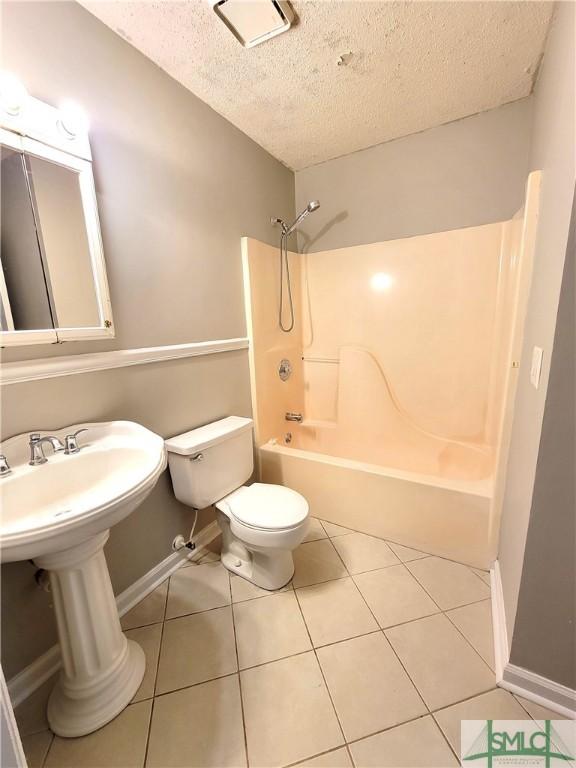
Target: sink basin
(53, 506)
(59, 514)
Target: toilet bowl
(261, 526)
(261, 523)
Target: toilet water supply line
(181, 543)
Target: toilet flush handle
(197, 457)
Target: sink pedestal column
(102, 669)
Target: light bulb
(13, 94)
(73, 120)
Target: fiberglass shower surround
(401, 368)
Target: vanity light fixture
(254, 21)
(31, 119)
(13, 94)
(73, 120)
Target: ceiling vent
(254, 21)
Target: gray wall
(177, 187)
(462, 174)
(553, 152)
(177, 184)
(544, 638)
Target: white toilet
(261, 524)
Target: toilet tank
(210, 462)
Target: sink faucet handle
(4, 466)
(71, 443)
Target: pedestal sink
(59, 515)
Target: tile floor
(370, 657)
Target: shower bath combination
(379, 408)
(286, 231)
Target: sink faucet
(71, 442)
(37, 448)
(4, 466)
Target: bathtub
(435, 512)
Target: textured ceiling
(414, 65)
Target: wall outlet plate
(536, 367)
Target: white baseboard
(35, 674)
(501, 646)
(520, 681)
(540, 690)
(148, 583)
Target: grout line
(339, 557)
(465, 699)
(321, 583)
(161, 641)
(472, 568)
(323, 675)
(271, 593)
(454, 704)
(317, 754)
(424, 554)
(238, 673)
(466, 605)
(157, 670)
(469, 641)
(43, 763)
(394, 650)
(408, 621)
(420, 717)
(350, 755)
(447, 560)
(398, 725)
(522, 705)
(397, 560)
(143, 626)
(346, 639)
(450, 747)
(149, 731)
(445, 613)
(389, 728)
(197, 613)
(194, 685)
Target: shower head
(312, 206)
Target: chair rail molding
(51, 367)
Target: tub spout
(293, 417)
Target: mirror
(52, 278)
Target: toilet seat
(266, 507)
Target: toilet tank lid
(203, 437)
